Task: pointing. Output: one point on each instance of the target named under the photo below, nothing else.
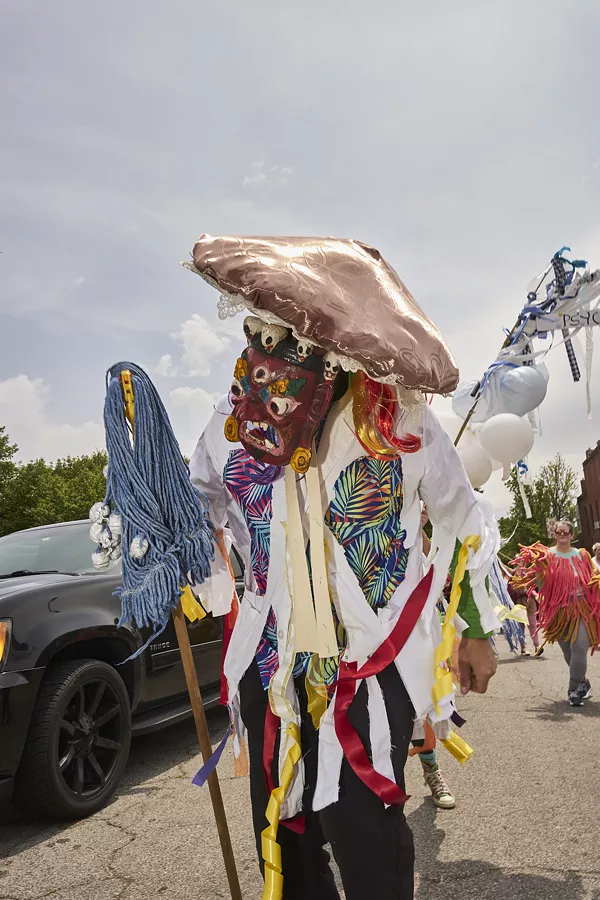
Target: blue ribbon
(203, 774)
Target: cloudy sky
(461, 139)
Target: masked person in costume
(569, 602)
(318, 458)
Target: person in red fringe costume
(569, 603)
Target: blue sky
(460, 139)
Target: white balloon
(496, 465)
(523, 389)
(477, 463)
(506, 437)
(517, 390)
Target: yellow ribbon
(271, 851)
(316, 690)
(443, 684)
(459, 749)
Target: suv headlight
(5, 630)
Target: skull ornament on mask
(278, 402)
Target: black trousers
(372, 845)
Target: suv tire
(78, 741)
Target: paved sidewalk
(526, 826)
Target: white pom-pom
(101, 559)
(96, 514)
(139, 547)
(105, 510)
(96, 531)
(114, 523)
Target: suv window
(61, 548)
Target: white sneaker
(440, 792)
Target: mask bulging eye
(237, 391)
(281, 406)
(260, 374)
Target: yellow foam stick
(271, 851)
(459, 749)
(443, 683)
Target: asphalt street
(527, 821)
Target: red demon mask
(278, 401)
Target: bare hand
(476, 664)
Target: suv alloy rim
(90, 737)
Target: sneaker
(575, 698)
(525, 652)
(585, 690)
(539, 651)
(442, 797)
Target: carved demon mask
(279, 397)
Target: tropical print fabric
(364, 517)
(242, 478)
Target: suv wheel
(78, 741)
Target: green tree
(552, 495)
(41, 493)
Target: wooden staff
(193, 686)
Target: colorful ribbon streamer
(518, 613)
(203, 774)
(271, 851)
(349, 674)
(443, 684)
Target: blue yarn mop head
(167, 537)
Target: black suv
(69, 704)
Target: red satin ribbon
(387, 791)
(298, 823)
(228, 623)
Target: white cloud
(165, 366)
(201, 343)
(23, 411)
(197, 405)
(281, 174)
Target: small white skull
(271, 335)
(106, 540)
(96, 531)
(114, 523)
(332, 365)
(139, 547)
(99, 512)
(252, 327)
(304, 349)
(101, 559)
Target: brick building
(589, 502)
